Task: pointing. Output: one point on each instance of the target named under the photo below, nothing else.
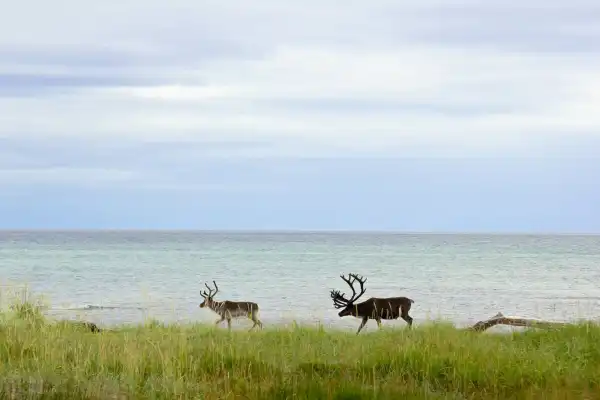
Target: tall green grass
(56, 360)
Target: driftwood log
(500, 319)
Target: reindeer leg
(253, 319)
(250, 316)
(408, 319)
(362, 324)
(256, 321)
(404, 314)
(227, 316)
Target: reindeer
(230, 309)
(373, 308)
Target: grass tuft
(60, 360)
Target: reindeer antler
(339, 300)
(350, 281)
(210, 293)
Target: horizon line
(301, 231)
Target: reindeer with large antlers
(230, 309)
(373, 308)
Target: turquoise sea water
(127, 276)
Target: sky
(396, 115)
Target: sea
(131, 277)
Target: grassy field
(43, 359)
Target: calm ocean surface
(126, 277)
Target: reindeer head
(208, 296)
(340, 301)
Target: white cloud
(311, 78)
(91, 176)
(16, 180)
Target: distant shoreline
(296, 232)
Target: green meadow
(47, 359)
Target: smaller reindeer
(373, 308)
(230, 309)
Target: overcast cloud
(161, 95)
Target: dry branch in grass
(500, 319)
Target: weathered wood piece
(501, 319)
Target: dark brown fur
(373, 308)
